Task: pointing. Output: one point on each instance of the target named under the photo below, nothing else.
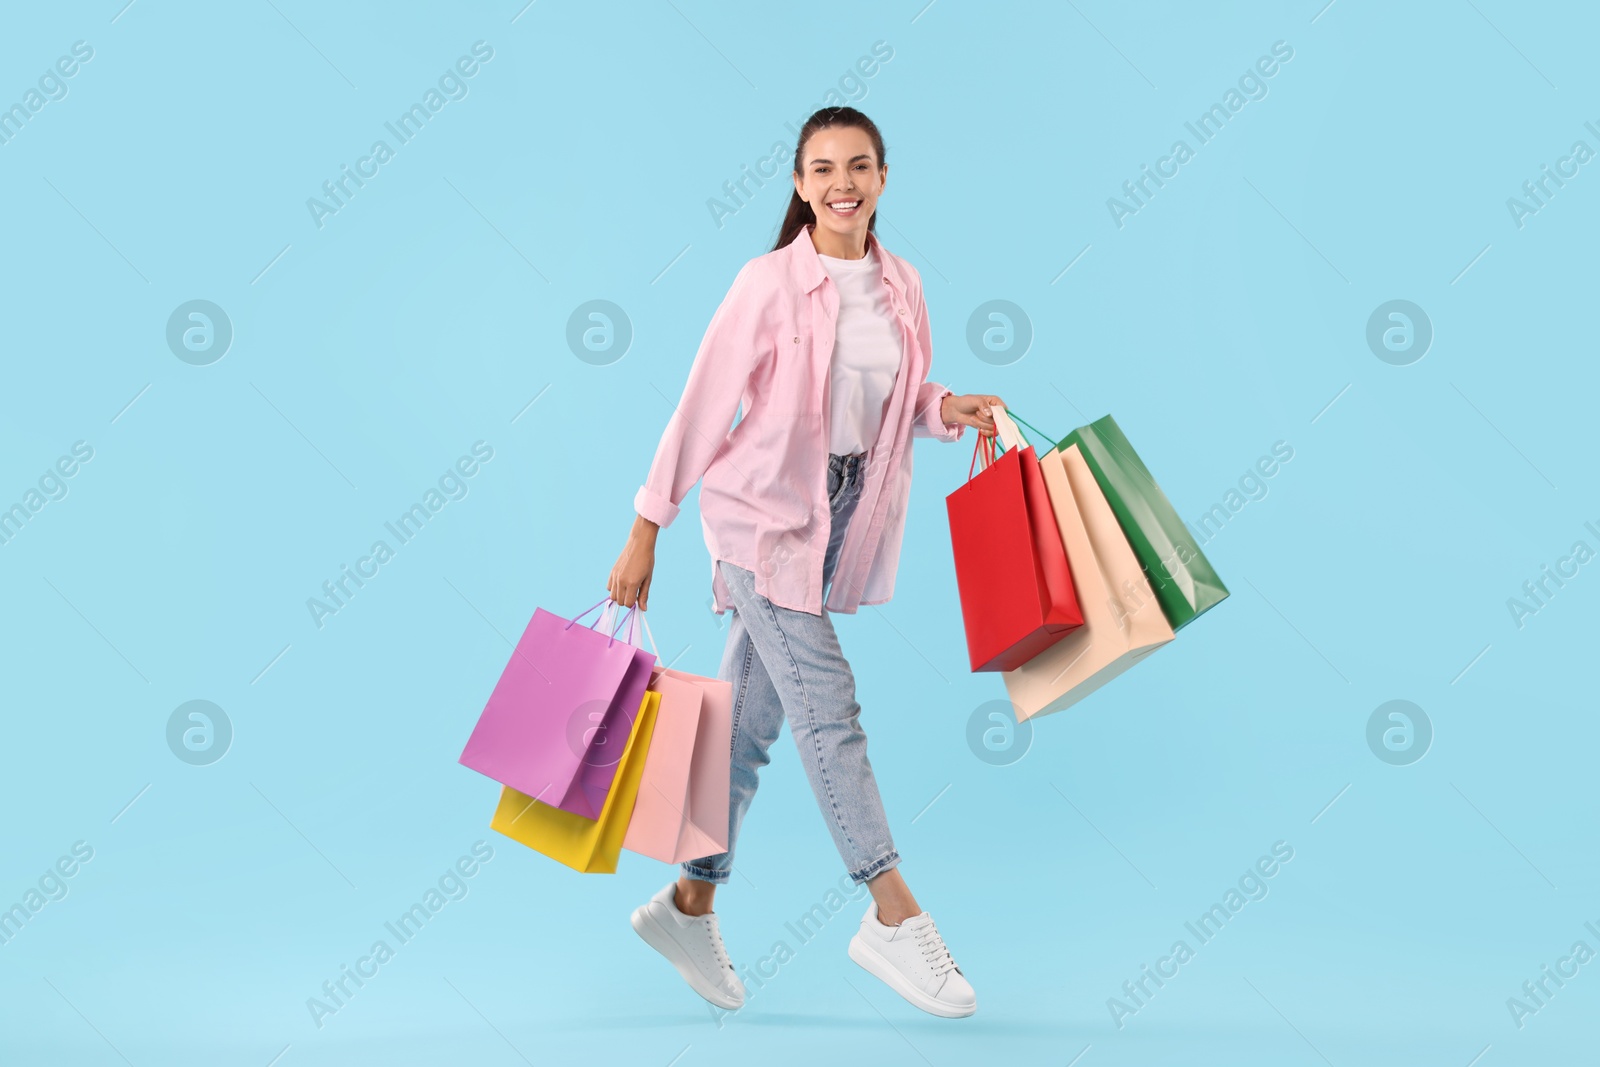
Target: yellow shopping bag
(589, 846)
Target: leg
(888, 887)
(693, 897)
(895, 902)
(757, 720)
(816, 688)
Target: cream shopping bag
(1123, 622)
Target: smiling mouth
(845, 207)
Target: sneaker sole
(880, 968)
(650, 930)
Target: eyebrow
(853, 159)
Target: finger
(644, 596)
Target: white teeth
(845, 205)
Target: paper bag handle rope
(1006, 430)
(1006, 433)
(602, 618)
(985, 445)
(632, 617)
(650, 635)
(1013, 413)
(633, 634)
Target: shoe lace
(934, 950)
(718, 949)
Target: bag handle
(651, 636)
(1012, 412)
(985, 446)
(604, 617)
(1006, 433)
(586, 611)
(632, 617)
(1007, 430)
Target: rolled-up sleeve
(930, 395)
(699, 424)
(930, 398)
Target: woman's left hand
(972, 410)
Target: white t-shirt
(867, 349)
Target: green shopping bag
(1184, 581)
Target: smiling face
(841, 179)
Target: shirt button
(902, 311)
(797, 340)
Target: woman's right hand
(630, 577)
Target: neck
(839, 246)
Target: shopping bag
(1185, 582)
(1011, 567)
(682, 810)
(1122, 622)
(589, 846)
(554, 725)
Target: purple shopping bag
(559, 717)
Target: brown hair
(799, 213)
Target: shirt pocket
(790, 385)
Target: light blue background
(1227, 315)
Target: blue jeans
(786, 664)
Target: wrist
(644, 529)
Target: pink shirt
(764, 500)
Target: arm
(931, 411)
(698, 426)
(928, 419)
(710, 400)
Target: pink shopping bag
(682, 808)
(560, 715)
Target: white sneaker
(912, 960)
(692, 944)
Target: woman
(824, 345)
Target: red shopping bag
(1017, 597)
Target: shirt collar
(807, 269)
